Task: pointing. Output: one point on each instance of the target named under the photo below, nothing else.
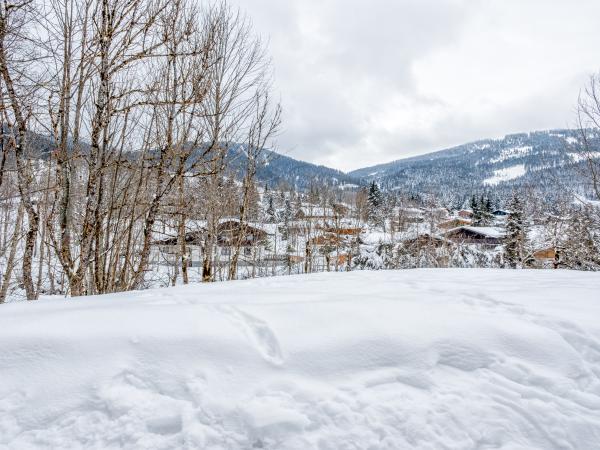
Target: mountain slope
(279, 169)
(275, 169)
(517, 160)
(548, 161)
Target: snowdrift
(363, 360)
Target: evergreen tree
(488, 206)
(288, 215)
(288, 210)
(475, 208)
(374, 205)
(485, 212)
(516, 235)
(473, 203)
(271, 214)
(313, 194)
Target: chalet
(230, 232)
(436, 214)
(315, 212)
(488, 236)
(454, 223)
(166, 246)
(295, 228)
(500, 213)
(191, 238)
(326, 240)
(410, 215)
(545, 254)
(404, 216)
(465, 213)
(340, 210)
(281, 260)
(343, 231)
(295, 259)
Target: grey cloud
(346, 71)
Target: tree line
(140, 101)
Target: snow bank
(382, 360)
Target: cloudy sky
(369, 81)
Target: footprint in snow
(259, 332)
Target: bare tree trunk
(10, 262)
(25, 178)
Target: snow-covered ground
(362, 360)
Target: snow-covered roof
(269, 228)
(493, 232)
(317, 211)
(410, 211)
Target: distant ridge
(544, 160)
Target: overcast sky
(368, 81)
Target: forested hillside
(548, 161)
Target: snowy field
(427, 359)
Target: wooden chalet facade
(454, 223)
(487, 236)
(344, 231)
(191, 238)
(230, 232)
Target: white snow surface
(428, 359)
(506, 174)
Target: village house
(402, 217)
(343, 230)
(453, 223)
(410, 215)
(230, 232)
(326, 240)
(166, 245)
(313, 212)
(546, 257)
(435, 214)
(191, 238)
(487, 236)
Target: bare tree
(20, 87)
(588, 120)
(262, 128)
(237, 101)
